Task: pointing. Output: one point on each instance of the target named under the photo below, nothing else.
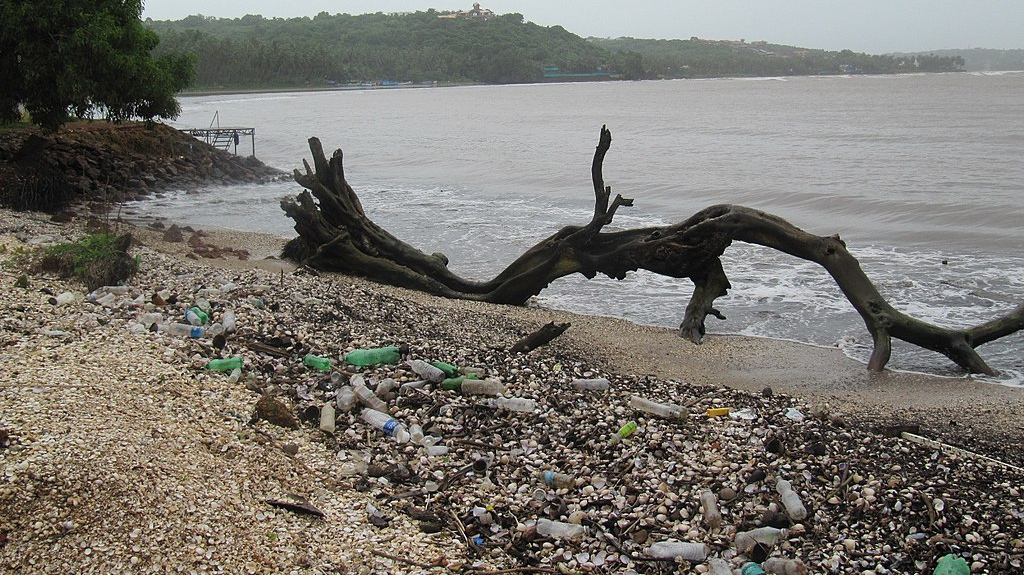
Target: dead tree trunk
(335, 235)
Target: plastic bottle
(481, 387)
(746, 540)
(327, 416)
(196, 316)
(597, 384)
(236, 374)
(416, 433)
(560, 530)
(427, 371)
(448, 369)
(791, 500)
(719, 566)
(365, 396)
(951, 565)
(345, 398)
(709, 503)
(225, 364)
(513, 403)
(557, 480)
(194, 331)
(623, 432)
(385, 423)
(373, 356)
(783, 566)
(317, 362)
(228, 319)
(693, 552)
(148, 319)
(751, 568)
(665, 410)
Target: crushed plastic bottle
(560, 530)
(693, 552)
(345, 398)
(709, 504)
(791, 500)
(365, 396)
(951, 565)
(228, 320)
(767, 536)
(327, 417)
(784, 566)
(478, 386)
(719, 566)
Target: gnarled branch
(335, 234)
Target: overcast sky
(872, 26)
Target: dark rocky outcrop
(100, 162)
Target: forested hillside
(330, 50)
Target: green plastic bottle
(951, 565)
(448, 369)
(373, 356)
(623, 432)
(225, 364)
(317, 362)
(455, 383)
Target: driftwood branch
(542, 336)
(334, 234)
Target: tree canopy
(325, 50)
(81, 58)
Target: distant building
(477, 13)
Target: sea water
(921, 175)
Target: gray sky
(872, 26)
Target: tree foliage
(257, 52)
(75, 57)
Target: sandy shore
(119, 453)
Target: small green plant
(97, 259)
(21, 282)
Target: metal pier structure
(223, 137)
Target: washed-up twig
(462, 530)
(955, 450)
(296, 506)
(483, 571)
(400, 559)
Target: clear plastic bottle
(791, 500)
(183, 329)
(365, 396)
(385, 423)
(482, 387)
(665, 410)
(426, 371)
(557, 480)
(709, 504)
(228, 320)
(416, 433)
(560, 530)
(693, 552)
(148, 319)
(768, 536)
(345, 398)
(596, 384)
(784, 566)
(513, 403)
(236, 374)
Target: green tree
(85, 57)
